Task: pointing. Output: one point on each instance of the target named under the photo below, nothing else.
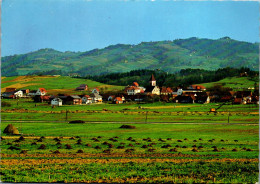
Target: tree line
(184, 77)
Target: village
(135, 93)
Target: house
(185, 99)
(95, 90)
(10, 89)
(96, 98)
(82, 87)
(32, 93)
(39, 98)
(25, 92)
(238, 101)
(111, 98)
(118, 100)
(203, 99)
(12, 94)
(18, 93)
(166, 91)
(197, 87)
(56, 102)
(41, 91)
(86, 99)
(134, 89)
(75, 99)
(188, 91)
(8, 95)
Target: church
(152, 89)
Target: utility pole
(66, 114)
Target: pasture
(103, 152)
(177, 143)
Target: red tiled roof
(10, 89)
(135, 84)
(42, 90)
(198, 87)
(118, 99)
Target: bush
(77, 121)
(128, 126)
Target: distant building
(56, 102)
(152, 89)
(82, 87)
(134, 89)
(95, 90)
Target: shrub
(128, 127)
(77, 121)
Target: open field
(53, 84)
(236, 83)
(149, 153)
(219, 147)
(25, 109)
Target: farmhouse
(166, 91)
(134, 89)
(41, 91)
(86, 99)
(118, 100)
(95, 90)
(10, 89)
(12, 94)
(95, 97)
(56, 102)
(82, 87)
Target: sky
(83, 25)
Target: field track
(123, 122)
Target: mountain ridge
(170, 56)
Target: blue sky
(81, 25)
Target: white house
(86, 99)
(96, 98)
(56, 102)
(41, 91)
(95, 90)
(18, 93)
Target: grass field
(149, 153)
(219, 147)
(53, 84)
(25, 109)
(236, 83)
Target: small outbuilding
(56, 102)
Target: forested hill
(169, 56)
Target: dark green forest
(182, 78)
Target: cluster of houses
(134, 92)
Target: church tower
(152, 81)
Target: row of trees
(184, 77)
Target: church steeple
(152, 81)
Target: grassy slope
(52, 84)
(235, 83)
(170, 56)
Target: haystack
(10, 129)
